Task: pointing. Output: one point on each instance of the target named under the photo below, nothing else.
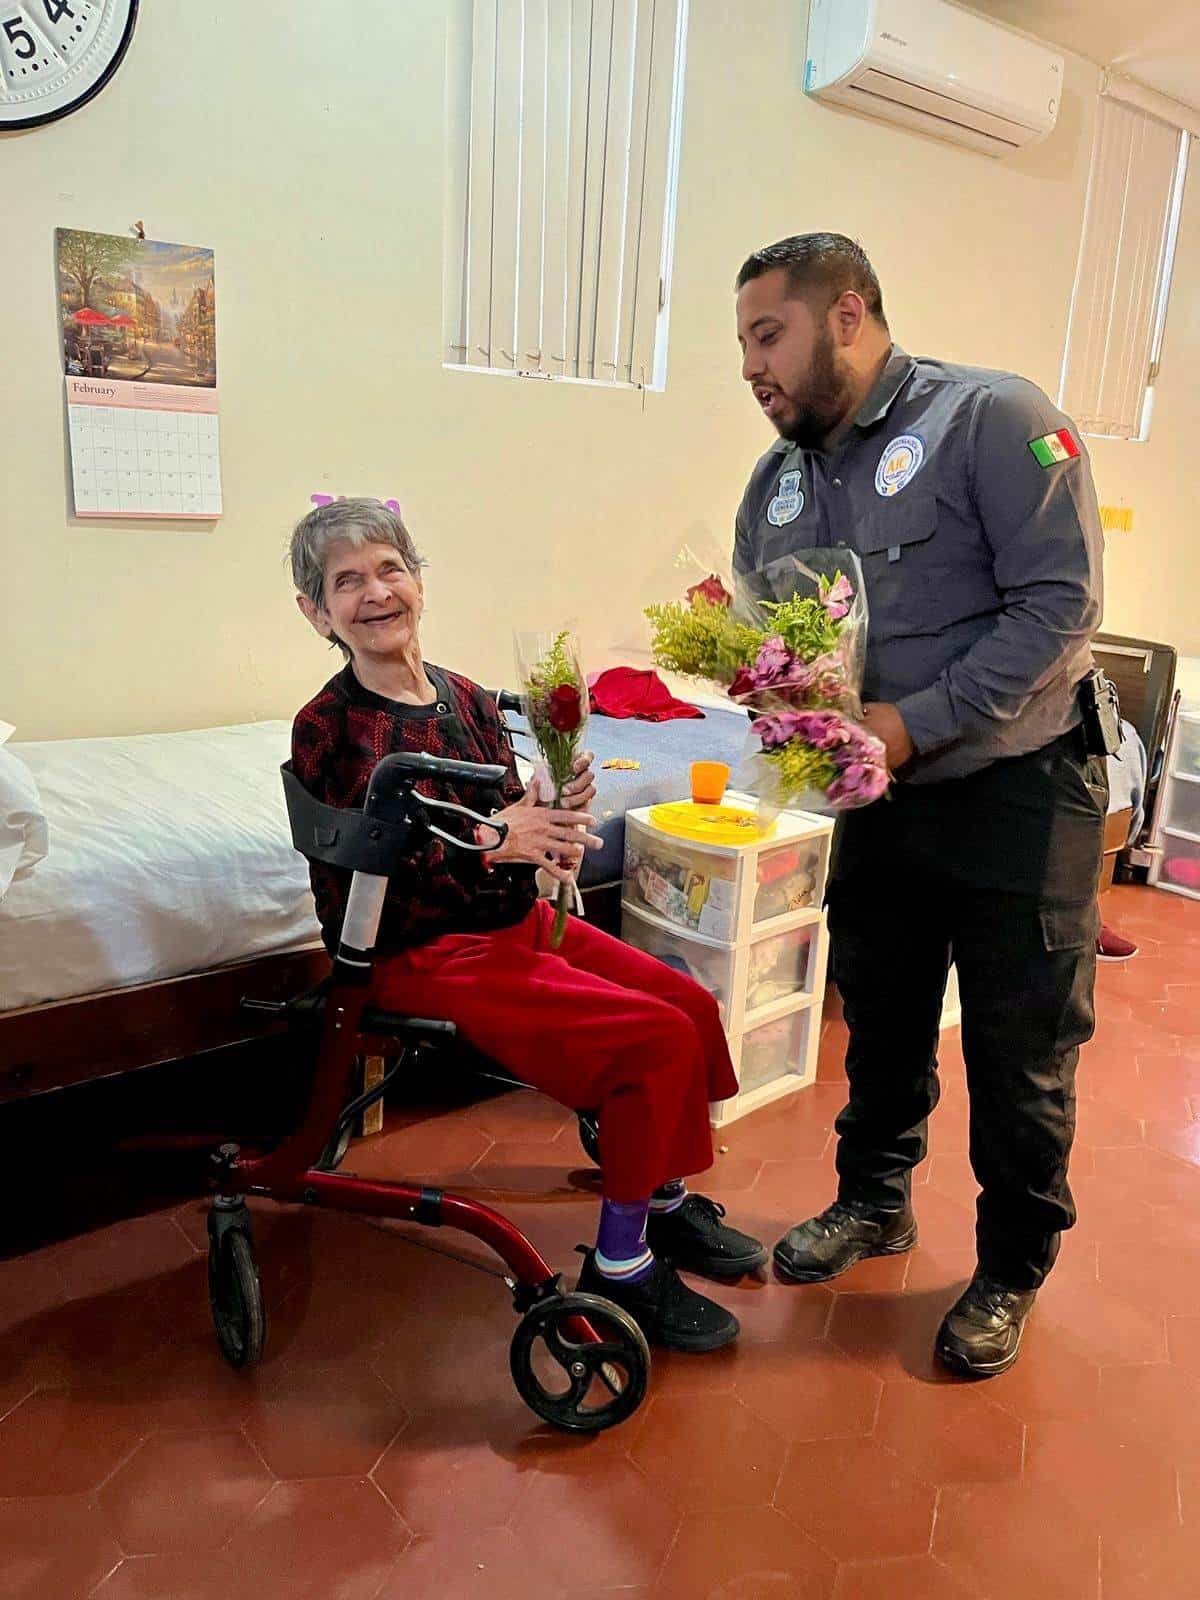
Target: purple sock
(621, 1252)
(669, 1198)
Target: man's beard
(824, 403)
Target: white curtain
(565, 141)
(1134, 193)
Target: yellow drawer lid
(728, 825)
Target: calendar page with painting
(139, 349)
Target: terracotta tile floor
(381, 1453)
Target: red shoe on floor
(1111, 946)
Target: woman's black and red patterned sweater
(337, 740)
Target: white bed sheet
(168, 854)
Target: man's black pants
(998, 873)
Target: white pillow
(24, 836)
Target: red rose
(564, 708)
(712, 590)
(743, 683)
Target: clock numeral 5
(15, 33)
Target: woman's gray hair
(353, 522)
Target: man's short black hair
(821, 264)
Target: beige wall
(314, 167)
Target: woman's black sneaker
(694, 1239)
(664, 1308)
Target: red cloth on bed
(640, 693)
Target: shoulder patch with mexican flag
(1054, 447)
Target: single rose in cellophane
(555, 700)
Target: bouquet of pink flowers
(790, 647)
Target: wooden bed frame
(66, 1042)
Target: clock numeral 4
(22, 41)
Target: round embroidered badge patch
(899, 464)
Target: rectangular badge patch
(1054, 447)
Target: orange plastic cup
(708, 782)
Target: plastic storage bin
(743, 917)
(781, 966)
(772, 1059)
(727, 892)
(1181, 812)
(789, 877)
(1187, 757)
(1178, 867)
(761, 977)
(1175, 862)
(686, 884)
(710, 964)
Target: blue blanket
(665, 750)
(1127, 778)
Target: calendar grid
(139, 460)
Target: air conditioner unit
(933, 66)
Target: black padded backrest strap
(341, 838)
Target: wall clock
(55, 55)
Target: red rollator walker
(580, 1362)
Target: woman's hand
(579, 792)
(545, 836)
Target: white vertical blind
(1134, 193)
(561, 206)
(534, 157)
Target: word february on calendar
(142, 451)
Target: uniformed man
(969, 500)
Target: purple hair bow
(328, 499)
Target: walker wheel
(235, 1297)
(575, 1383)
(589, 1135)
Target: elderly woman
(595, 1024)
